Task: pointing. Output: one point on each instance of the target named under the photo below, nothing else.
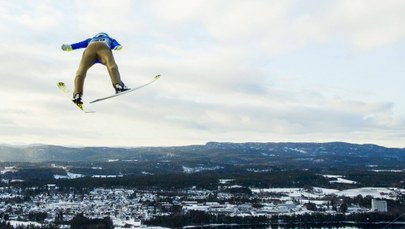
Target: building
(379, 205)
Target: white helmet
(102, 34)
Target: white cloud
(104, 16)
(370, 24)
(180, 11)
(29, 16)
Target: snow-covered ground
(375, 192)
(119, 223)
(339, 179)
(8, 169)
(199, 169)
(68, 176)
(384, 193)
(106, 176)
(16, 223)
(343, 181)
(389, 170)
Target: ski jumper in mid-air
(98, 49)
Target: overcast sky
(232, 70)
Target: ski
(65, 90)
(126, 92)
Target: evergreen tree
(343, 207)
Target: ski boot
(77, 99)
(120, 88)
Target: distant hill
(300, 155)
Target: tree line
(200, 218)
(78, 222)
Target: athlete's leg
(88, 58)
(106, 58)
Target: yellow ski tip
(157, 77)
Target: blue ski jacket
(100, 37)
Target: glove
(66, 47)
(118, 47)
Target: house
(379, 205)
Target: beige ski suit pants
(101, 52)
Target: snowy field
(15, 223)
(375, 192)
